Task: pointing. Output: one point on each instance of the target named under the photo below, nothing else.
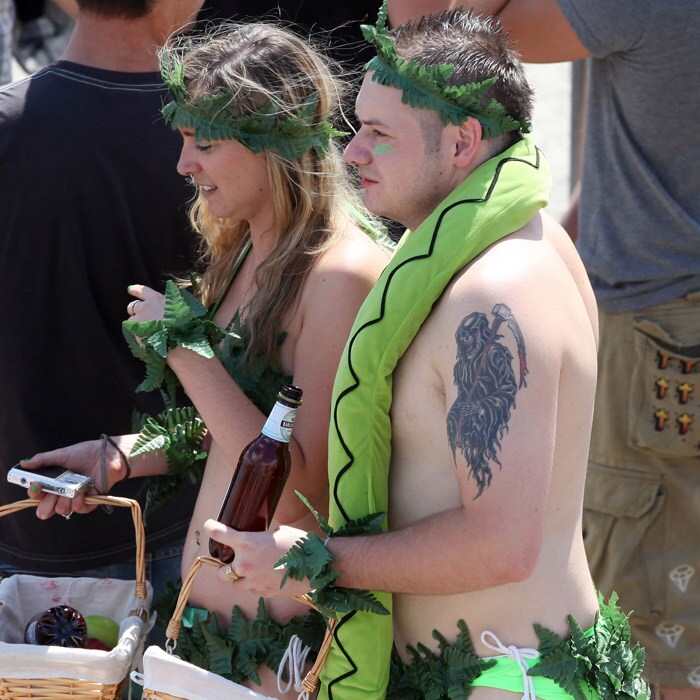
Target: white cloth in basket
(23, 596)
(165, 673)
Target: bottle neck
(280, 422)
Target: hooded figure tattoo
(486, 388)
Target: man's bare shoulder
(536, 275)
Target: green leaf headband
(266, 129)
(425, 87)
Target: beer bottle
(261, 474)
(59, 626)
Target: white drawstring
(294, 660)
(519, 655)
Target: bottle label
(280, 423)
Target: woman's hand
(82, 458)
(254, 562)
(148, 304)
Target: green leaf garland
(604, 660)
(289, 134)
(178, 432)
(258, 377)
(309, 559)
(185, 322)
(426, 87)
(236, 652)
(600, 659)
(438, 676)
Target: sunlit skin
(489, 558)
(240, 193)
(401, 176)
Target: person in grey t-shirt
(639, 236)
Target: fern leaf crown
(288, 134)
(426, 87)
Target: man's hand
(256, 556)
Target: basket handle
(310, 682)
(140, 588)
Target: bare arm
(86, 458)
(539, 29)
(494, 537)
(335, 292)
(501, 398)
(332, 294)
(401, 11)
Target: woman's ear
(468, 139)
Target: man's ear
(468, 139)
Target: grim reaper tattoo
(486, 388)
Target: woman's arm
(333, 292)
(86, 458)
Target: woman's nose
(187, 165)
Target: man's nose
(355, 153)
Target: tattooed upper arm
(487, 385)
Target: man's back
(91, 203)
(530, 284)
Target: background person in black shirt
(91, 203)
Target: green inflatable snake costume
(498, 198)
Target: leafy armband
(309, 558)
(179, 433)
(185, 322)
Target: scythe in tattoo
(486, 388)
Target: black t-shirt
(90, 202)
(335, 24)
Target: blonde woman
(283, 253)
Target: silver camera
(51, 479)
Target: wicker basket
(166, 677)
(31, 672)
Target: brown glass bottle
(59, 626)
(261, 474)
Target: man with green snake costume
(462, 406)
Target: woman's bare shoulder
(352, 256)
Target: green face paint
(382, 148)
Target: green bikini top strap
(232, 276)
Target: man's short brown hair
(478, 47)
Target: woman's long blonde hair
(258, 63)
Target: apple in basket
(102, 633)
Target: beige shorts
(642, 502)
